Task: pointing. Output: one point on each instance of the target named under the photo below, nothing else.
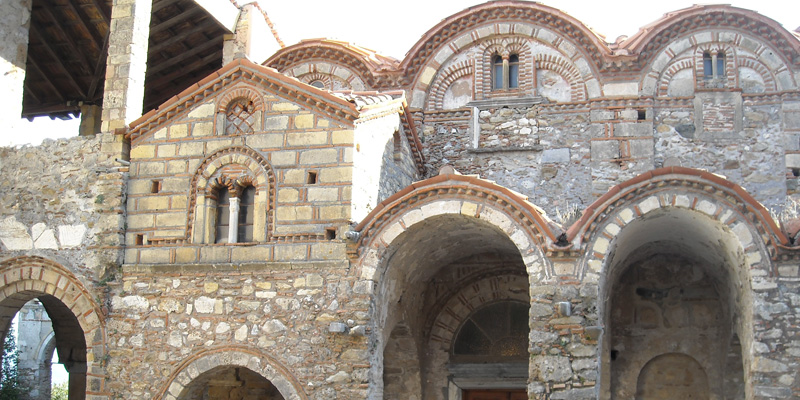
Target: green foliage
(59, 391)
(10, 388)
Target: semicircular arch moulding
(334, 76)
(465, 28)
(453, 195)
(685, 188)
(237, 356)
(28, 277)
(237, 163)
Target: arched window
(513, 71)
(223, 215)
(499, 330)
(317, 84)
(240, 117)
(247, 200)
(708, 66)
(720, 72)
(497, 72)
(235, 214)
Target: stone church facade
(516, 210)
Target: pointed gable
(243, 73)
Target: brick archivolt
(740, 51)
(328, 73)
(504, 37)
(207, 360)
(240, 91)
(469, 299)
(509, 212)
(27, 277)
(232, 167)
(724, 203)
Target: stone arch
(697, 220)
(72, 309)
(503, 46)
(237, 92)
(672, 375)
(239, 111)
(334, 76)
(209, 359)
(402, 250)
(250, 166)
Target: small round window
(497, 330)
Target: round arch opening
(230, 382)
(673, 284)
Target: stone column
(90, 120)
(127, 63)
(233, 221)
(15, 20)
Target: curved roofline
(439, 35)
(364, 61)
(658, 34)
(600, 206)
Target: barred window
(240, 117)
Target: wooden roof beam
(183, 56)
(99, 70)
(36, 30)
(102, 11)
(161, 4)
(85, 23)
(181, 36)
(46, 79)
(180, 18)
(164, 80)
(67, 39)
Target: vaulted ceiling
(68, 47)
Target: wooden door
(516, 394)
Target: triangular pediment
(245, 73)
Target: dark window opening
(497, 72)
(720, 65)
(140, 239)
(330, 233)
(641, 115)
(317, 84)
(155, 186)
(247, 202)
(708, 66)
(312, 178)
(513, 71)
(223, 215)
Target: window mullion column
(233, 220)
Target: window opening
(498, 330)
(317, 84)
(720, 72)
(330, 233)
(641, 115)
(513, 71)
(155, 186)
(139, 239)
(708, 66)
(223, 215)
(497, 72)
(240, 117)
(312, 178)
(247, 202)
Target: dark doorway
(516, 394)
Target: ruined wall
(63, 200)
(163, 315)
(14, 27)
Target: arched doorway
(230, 383)
(672, 290)
(76, 320)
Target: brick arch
(715, 48)
(445, 79)
(469, 299)
(234, 356)
(507, 17)
(453, 194)
(254, 168)
(28, 277)
(677, 187)
(566, 69)
(240, 91)
(770, 82)
(674, 68)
